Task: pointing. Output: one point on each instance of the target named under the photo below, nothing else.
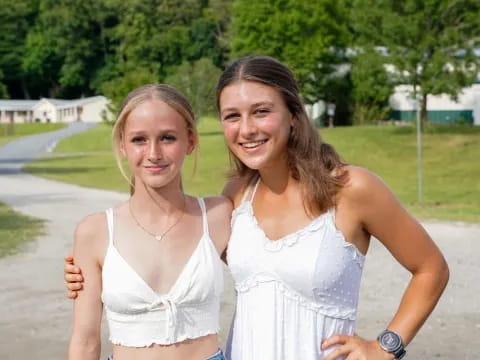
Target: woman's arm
(87, 311)
(381, 215)
(219, 210)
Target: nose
(154, 151)
(247, 126)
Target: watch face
(390, 340)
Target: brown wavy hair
(315, 164)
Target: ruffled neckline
(288, 240)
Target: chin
(156, 182)
(254, 164)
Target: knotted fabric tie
(166, 304)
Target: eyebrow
(143, 132)
(268, 103)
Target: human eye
(168, 138)
(138, 140)
(262, 111)
(231, 117)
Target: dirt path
(35, 316)
(453, 329)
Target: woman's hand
(73, 277)
(355, 348)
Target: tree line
(338, 49)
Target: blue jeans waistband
(217, 356)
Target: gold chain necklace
(160, 236)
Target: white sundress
(292, 293)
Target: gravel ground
(35, 316)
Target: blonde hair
(315, 164)
(169, 96)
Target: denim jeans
(217, 356)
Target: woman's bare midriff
(192, 349)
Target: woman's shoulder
(360, 182)
(218, 206)
(91, 228)
(364, 190)
(236, 187)
(219, 212)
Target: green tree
(197, 80)
(154, 34)
(41, 64)
(219, 13)
(371, 87)
(430, 43)
(68, 46)
(16, 17)
(307, 35)
(203, 42)
(157, 36)
(3, 88)
(117, 88)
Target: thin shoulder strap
(201, 203)
(332, 213)
(249, 190)
(255, 189)
(109, 213)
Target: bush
(118, 88)
(369, 114)
(197, 80)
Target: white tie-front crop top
(138, 316)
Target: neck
(152, 203)
(276, 178)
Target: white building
(440, 108)
(91, 109)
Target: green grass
(9, 132)
(16, 230)
(450, 164)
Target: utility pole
(416, 104)
(419, 149)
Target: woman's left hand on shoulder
(354, 348)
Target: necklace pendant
(158, 237)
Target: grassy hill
(451, 164)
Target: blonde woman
(301, 227)
(154, 261)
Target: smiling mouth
(156, 168)
(253, 144)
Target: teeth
(253, 144)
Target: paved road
(35, 316)
(16, 153)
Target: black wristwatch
(392, 342)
